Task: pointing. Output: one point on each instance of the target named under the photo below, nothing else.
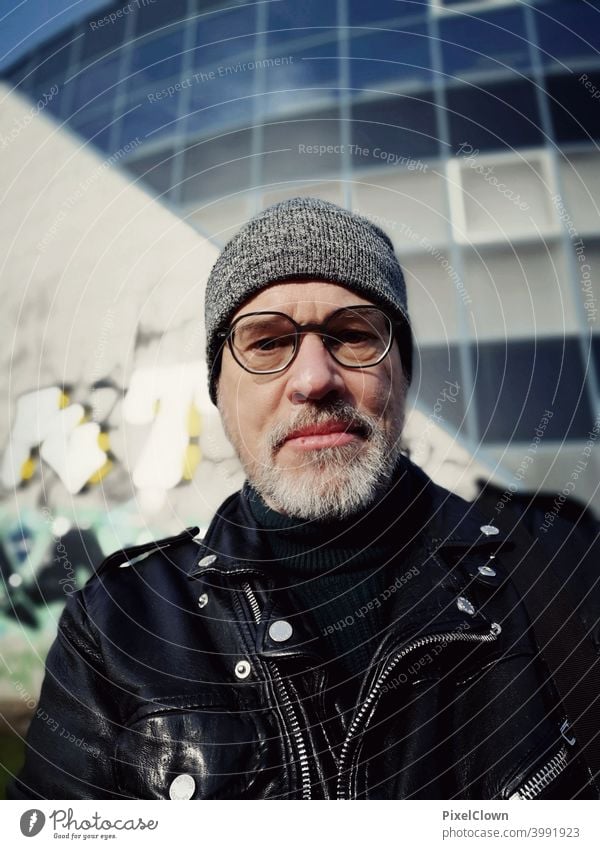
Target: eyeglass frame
(309, 327)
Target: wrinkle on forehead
(304, 298)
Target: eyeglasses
(267, 342)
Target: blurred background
(137, 137)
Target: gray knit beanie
(303, 238)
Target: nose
(314, 374)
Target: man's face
(318, 439)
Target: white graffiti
(67, 443)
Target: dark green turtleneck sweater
(336, 571)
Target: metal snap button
(465, 605)
(242, 669)
(182, 787)
(489, 530)
(280, 631)
(487, 571)
(208, 560)
(203, 600)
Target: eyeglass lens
(354, 337)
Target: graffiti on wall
(73, 439)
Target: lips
(323, 435)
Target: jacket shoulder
(135, 553)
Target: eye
(269, 343)
(352, 337)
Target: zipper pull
(564, 728)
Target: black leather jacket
(165, 681)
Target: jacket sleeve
(70, 742)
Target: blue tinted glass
(221, 97)
(516, 381)
(217, 167)
(156, 170)
(596, 352)
(568, 29)
(101, 36)
(435, 368)
(51, 62)
(301, 148)
(156, 60)
(20, 77)
(399, 126)
(147, 120)
(96, 83)
(503, 115)
(574, 106)
(212, 52)
(394, 57)
(302, 69)
(96, 129)
(50, 95)
(156, 14)
(281, 105)
(485, 42)
(204, 119)
(214, 26)
(307, 13)
(361, 12)
(222, 82)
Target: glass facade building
(468, 130)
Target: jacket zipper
(286, 703)
(362, 717)
(543, 777)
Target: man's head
(309, 356)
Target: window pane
(225, 24)
(158, 14)
(568, 29)
(575, 115)
(520, 292)
(105, 38)
(408, 204)
(96, 129)
(516, 381)
(209, 112)
(155, 170)
(505, 196)
(435, 368)
(484, 42)
(497, 116)
(305, 77)
(399, 126)
(308, 13)
(217, 167)
(360, 12)
(96, 84)
(156, 60)
(291, 148)
(20, 77)
(52, 59)
(217, 55)
(390, 58)
(580, 176)
(432, 285)
(146, 120)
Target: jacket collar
(233, 544)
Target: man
(346, 629)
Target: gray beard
(331, 483)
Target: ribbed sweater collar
(366, 540)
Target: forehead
(294, 297)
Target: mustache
(339, 412)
